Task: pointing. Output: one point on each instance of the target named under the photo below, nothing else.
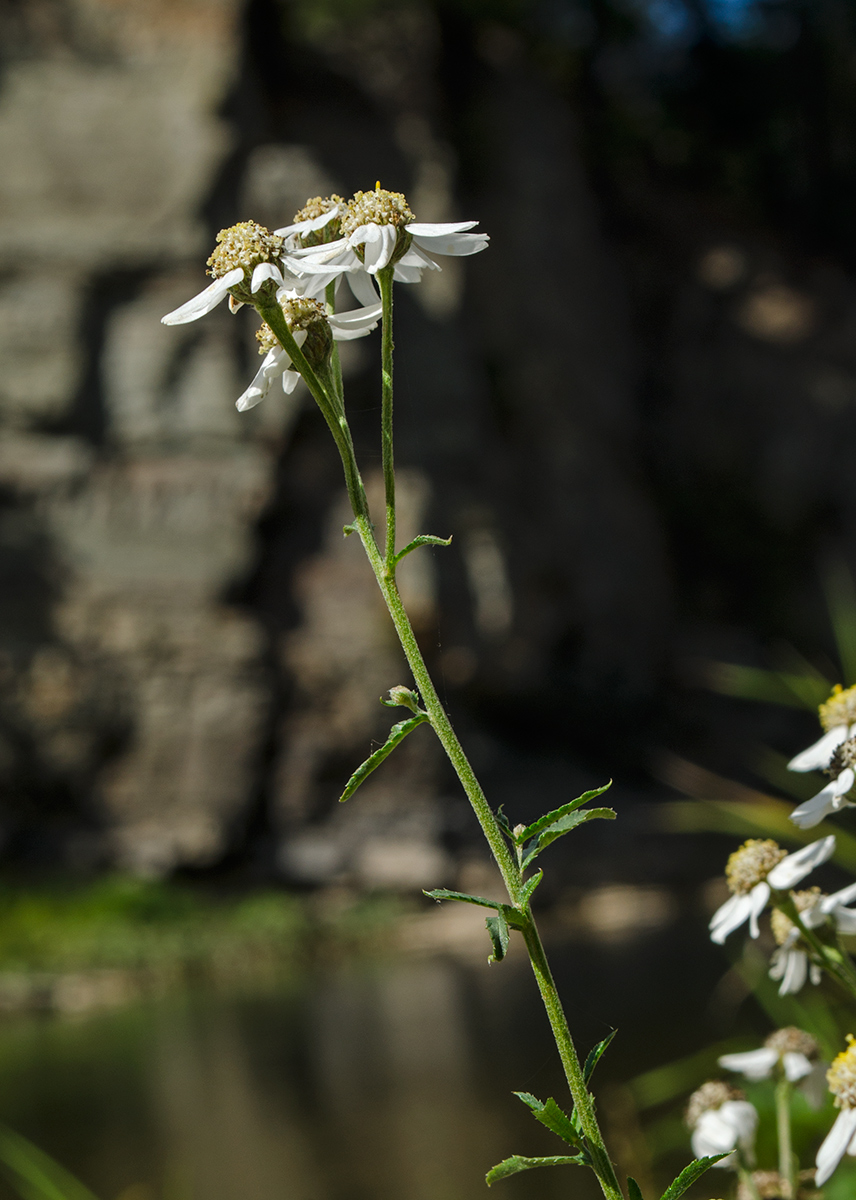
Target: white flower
(790, 1049)
(841, 1138)
(378, 230)
(245, 257)
(721, 1121)
(829, 799)
(758, 867)
(838, 718)
(790, 962)
(301, 312)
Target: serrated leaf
(396, 735)
(550, 1115)
(34, 1174)
(504, 823)
(550, 818)
(530, 886)
(563, 826)
(497, 927)
(595, 1055)
(634, 1191)
(689, 1175)
(424, 539)
(444, 894)
(517, 1162)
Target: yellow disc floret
(841, 1076)
(379, 207)
(792, 1040)
(712, 1094)
(316, 207)
(752, 863)
(839, 709)
(301, 313)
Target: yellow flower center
(244, 245)
(841, 1076)
(317, 207)
(712, 1094)
(839, 709)
(752, 863)
(791, 1040)
(379, 207)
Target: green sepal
(439, 894)
(689, 1175)
(397, 734)
(595, 1055)
(550, 818)
(424, 539)
(634, 1191)
(34, 1174)
(530, 886)
(497, 927)
(550, 1115)
(517, 1162)
(563, 826)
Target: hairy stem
(787, 1166)
(838, 964)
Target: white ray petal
(363, 287)
(836, 1142)
(207, 299)
(819, 754)
(403, 274)
(273, 364)
(796, 1065)
(796, 866)
(758, 897)
(754, 1064)
(454, 243)
(433, 229)
(796, 970)
(313, 224)
(729, 916)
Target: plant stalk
(787, 1166)
(384, 278)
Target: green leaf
(551, 817)
(689, 1175)
(397, 734)
(634, 1191)
(34, 1174)
(530, 886)
(549, 1114)
(510, 1166)
(497, 927)
(424, 539)
(563, 826)
(444, 894)
(503, 823)
(595, 1055)
(347, 530)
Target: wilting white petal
(418, 258)
(759, 896)
(322, 253)
(796, 970)
(263, 271)
(796, 866)
(796, 1065)
(290, 380)
(429, 229)
(453, 243)
(404, 274)
(722, 1129)
(736, 910)
(273, 364)
(363, 287)
(836, 899)
(836, 1142)
(356, 323)
(845, 920)
(378, 242)
(820, 753)
(207, 299)
(754, 1064)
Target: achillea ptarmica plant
(721, 1120)
(841, 1138)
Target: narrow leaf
(530, 886)
(555, 815)
(689, 1175)
(444, 894)
(634, 1191)
(497, 927)
(424, 539)
(563, 826)
(34, 1174)
(510, 1166)
(397, 734)
(595, 1055)
(550, 1115)
(503, 823)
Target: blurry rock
(402, 865)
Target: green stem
(335, 364)
(787, 1166)
(748, 1182)
(384, 278)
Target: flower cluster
(722, 1121)
(834, 753)
(329, 240)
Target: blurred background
(634, 413)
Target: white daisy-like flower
(721, 1120)
(791, 1050)
(757, 868)
(308, 323)
(790, 963)
(838, 718)
(831, 798)
(841, 1138)
(378, 229)
(246, 257)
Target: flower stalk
(833, 960)
(787, 1163)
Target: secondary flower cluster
(329, 240)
